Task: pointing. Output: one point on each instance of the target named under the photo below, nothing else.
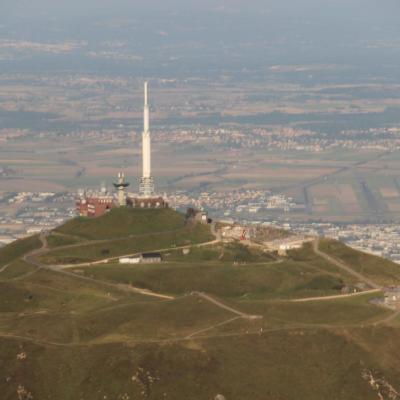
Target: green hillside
(17, 249)
(123, 222)
(212, 319)
(122, 231)
(385, 272)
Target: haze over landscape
(203, 239)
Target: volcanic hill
(215, 319)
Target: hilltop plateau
(216, 319)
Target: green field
(93, 333)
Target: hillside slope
(215, 319)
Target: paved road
(343, 266)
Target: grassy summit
(122, 222)
(122, 231)
(217, 318)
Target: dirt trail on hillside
(336, 296)
(343, 266)
(31, 258)
(219, 304)
(111, 259)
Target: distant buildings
(33, 212)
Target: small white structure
(291, 246)
(284, 248)
(130, 260)
(202, 217)
(291, 243)
(392, 297)
(145, 258)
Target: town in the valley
(25, 213)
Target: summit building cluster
(95, 204)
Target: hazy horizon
(177, 38)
